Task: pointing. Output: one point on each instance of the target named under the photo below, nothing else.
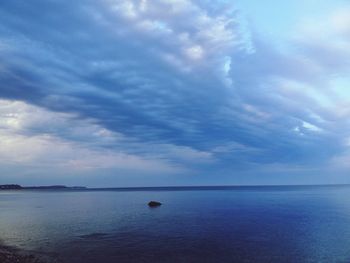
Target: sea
(194, 224)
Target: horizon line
(178, 186)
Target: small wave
(93, 236)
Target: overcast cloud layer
(121, 93)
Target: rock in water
(154, 204)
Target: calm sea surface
(241, 224)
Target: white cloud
(32, 136)
(340, 21)
(311, 127)
(183, 30)
(194, 52)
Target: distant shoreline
(50, 187)
(168, 188)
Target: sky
(106, 93)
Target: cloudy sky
(174, 92)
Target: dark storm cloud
(158, 72)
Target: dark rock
(154, 204)
(10, 187)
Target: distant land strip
(50, 187)
(173, 188)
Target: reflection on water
(279, 224)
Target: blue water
(248, 224)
